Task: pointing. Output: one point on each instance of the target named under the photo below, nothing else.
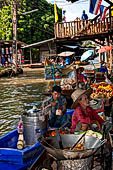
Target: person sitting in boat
(84, 116)
(81, 78)
(103, 68)
(58, 102)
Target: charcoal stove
(78, 164)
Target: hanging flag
(63, 15)
(55, 11)
(95, 6)
(103, 11)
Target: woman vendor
(84, 116)
(81, 79)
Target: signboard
(53, 72)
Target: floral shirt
(79, 116)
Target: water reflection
(15, 99)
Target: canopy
(104, 49)
(86, 55)
(66, 54)
(50, 55)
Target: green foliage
(33, 27)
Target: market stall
(104, 92)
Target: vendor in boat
(81, 78)
(84, 116)
(58, 103)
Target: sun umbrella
(86, 55)
(104, 49)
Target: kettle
(34, 112)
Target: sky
(74, 10)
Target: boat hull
(15, 159)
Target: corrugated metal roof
(70, 46)
(39, 43)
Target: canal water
(18, 94)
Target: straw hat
(77, 94)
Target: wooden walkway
(78, 28)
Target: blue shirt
(103, 69)
(84, 16)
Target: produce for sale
(102, 90)
(67, 83)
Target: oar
(78, 141)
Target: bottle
(20, 143)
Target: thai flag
(103, 11)
(95, 6)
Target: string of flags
(96, 7)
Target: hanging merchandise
(7, 51)
(11, 50)
(3, 52)
(22, 60)
(11, 59)
(19, 51)
(3, 60)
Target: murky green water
(17, 95)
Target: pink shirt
(79, 115)
(81, 78)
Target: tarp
(66, 54)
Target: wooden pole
(30, 56)
(76, 77)
(14, 36)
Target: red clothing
(81, 78)
(79, 116)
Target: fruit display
(102, 90)
(81, 62)
(67, 83)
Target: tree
(32, 27)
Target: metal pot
(34, 125)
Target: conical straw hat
(77, 94)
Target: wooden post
(76, 77)
(111, 60)
(30, 56)
(14, 37)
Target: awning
(50, 55)
(66, 54)
(71, 46)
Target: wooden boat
(38, 65)
(15, 159)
